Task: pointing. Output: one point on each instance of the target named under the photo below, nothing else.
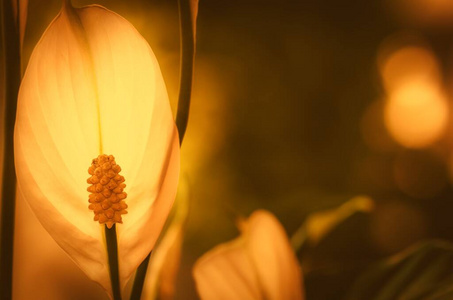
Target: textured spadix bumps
(93, 86)
(106, 190)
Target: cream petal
(276, 265)
(137, 127)
(163, 266)
(56, 137)
(260, 264)
(143, 224)
(227, 273)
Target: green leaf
(319, 224)
(423, 271)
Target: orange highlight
(416, 115)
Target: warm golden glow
(406, 65)
(426, 11)
(416, 114)
(106, 190)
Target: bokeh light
(416, 114)
(405, 65)
(429, 12)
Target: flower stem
(112, 251)
(187, 37)
(139, 280)
(11, 47)
(187, 58)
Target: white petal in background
(259, 264)
(93, 86)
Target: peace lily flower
(259, 264)
(93, 87)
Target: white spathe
(93, 86)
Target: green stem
(182, 115)
(139, 280)
(187, 58)
(11, 48)
(112, 251)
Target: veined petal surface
(271, 253)
(93, 86)
(259, 264)
(226, 273)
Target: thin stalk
(182, 114)
(11, 48)
(112, 251)
(139, 280)
(187, 58)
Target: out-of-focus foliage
(361, 231)
(319, 224)
(423, 272)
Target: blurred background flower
(297, 107)
(259, 264)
